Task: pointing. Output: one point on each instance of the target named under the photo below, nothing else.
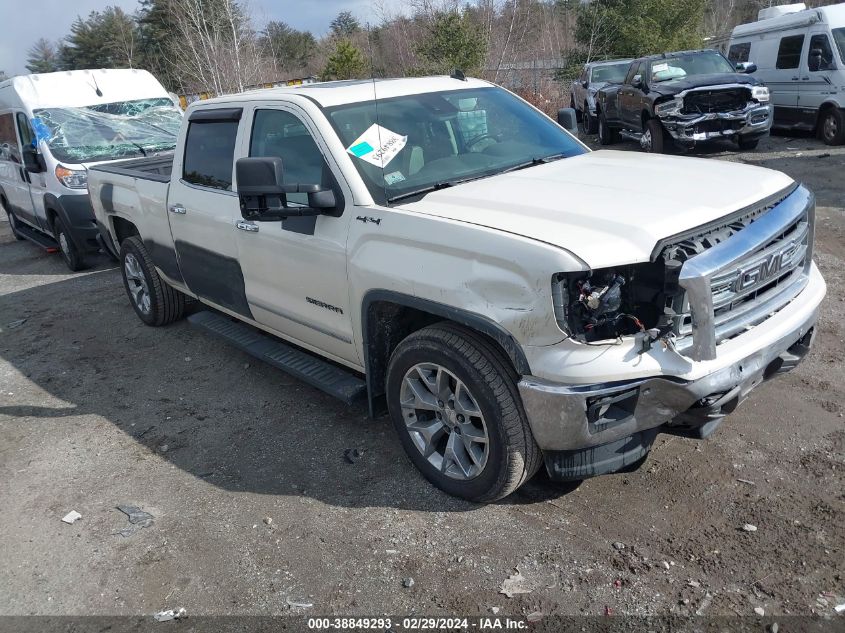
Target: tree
(106, 39)
(452, 41)
(345, 62)
(156, 33)
(632, 28)
(290, 49)
(345, 25)
(43, 57)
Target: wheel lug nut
(440, 403)
(460, 418)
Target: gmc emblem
(760, 272)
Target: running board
(633, 136)
(326, 377)
(37, 237)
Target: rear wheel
(832, 126)
(607, 135)
(73, 258)
(653, 140)
(154, 301)
(455, 405)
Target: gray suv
(583, 91)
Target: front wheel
(607, 135)
(832, 127)
(653, 140)
(71, 255)
(153, 300)
(590, 122)
(454, 402)
(747, 144)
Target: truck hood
(673, 87)
(607, 207)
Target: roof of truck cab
(332, 93)
(78, 88)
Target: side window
(633, 70)
(820, 43)
(9, 150)
(210, 154)
(280, 133)
(739, 52)
(789, 51)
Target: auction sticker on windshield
(378, 145)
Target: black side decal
(214, 277)
(165, 258)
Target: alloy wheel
(444, 421)
(645, 140)
(830, 128)
(137, 283)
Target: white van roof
(833, 15)
(78, 88)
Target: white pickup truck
(439, 246)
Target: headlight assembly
(760, 93)
(673, 106)
(72, 178)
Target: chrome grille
(741, 272)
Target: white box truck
(53, 126)
(800, 56)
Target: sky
(52, 19)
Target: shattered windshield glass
(124, 129)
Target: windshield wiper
(143, 151)
(535, 161)
(435, 187)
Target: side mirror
(567, 120)
(263, 193)
(746, 67)
(814, 62)
(585, 83)
(637, 81)
(32, 160)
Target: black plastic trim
(78, 216)
(209, 115)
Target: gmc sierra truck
(682, 99)
(440, 248)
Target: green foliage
(157, 32)
(106, 39)
(633, 28)
(290, 48)
(453, 41)
(345, 25)
(345, 62)
(43, 57)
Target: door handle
(178, 209)
(246, 226)
(795, 79)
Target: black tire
(70, 254)
(166, 304)
(832, 126)
(13, 222)
(607, 135)
(578, 115)
(658, 137)
(591, 123)
(513, 456)
(747, 144)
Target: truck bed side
(130, 198)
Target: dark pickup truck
(684, 98)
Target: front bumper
(591, 429)
(753, 121)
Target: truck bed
(156, 168)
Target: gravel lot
(256, 508)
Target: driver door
(630, 97)
(817, 79)
(295, 269)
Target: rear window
(789, 51)
(210, 154)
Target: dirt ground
(256, 508)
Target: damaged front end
(711, 112)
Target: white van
(53, 126)
(800, 56)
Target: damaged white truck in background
(439, 246)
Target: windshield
(703, 63)
(612, 74)
(436, 139)
(839, 38)
(123, 129)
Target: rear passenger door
(203, 210)
(295, 269)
